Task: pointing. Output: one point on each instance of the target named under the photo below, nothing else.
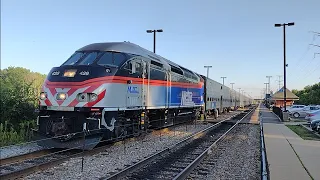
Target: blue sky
(237, 38)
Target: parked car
(295, 108)
(288, 107)
(312, 115)
(318, 127)
(298, 112)
(314, 124)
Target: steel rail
(123, 173)
(185, 173)
(23, 157)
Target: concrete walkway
(284, 148)
(255, 117)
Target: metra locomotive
(109, 90)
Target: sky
(237, 38)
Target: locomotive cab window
(133, 67)
(90, 58)
(111, 58)
(74, 58)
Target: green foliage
(309, 95)
(19, 91)
(10, 136)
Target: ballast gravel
(121, 155)
(236, 157)
(16, 150)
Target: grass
(11, 136)
(303, 133)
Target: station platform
(288, 155)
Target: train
(106, 91)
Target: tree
(309, 95)
(19, 88)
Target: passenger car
(298, 112)
(312, 115)
(314, 124)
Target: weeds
(9, 136)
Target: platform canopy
(279, 95)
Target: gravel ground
(236, 157)
(15, 150)
(119, 155)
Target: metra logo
(133, 89)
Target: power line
(308, 65)
(311, 72)
(301, 59)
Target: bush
(19, 91)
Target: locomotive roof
(127, 47)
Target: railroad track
(178, 161)
(23, 165)
(24, 157)
(19, 166)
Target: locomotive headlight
(61, 96)
(82, 97)
(93, 97)
(43, 95)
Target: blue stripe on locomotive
(158, 96)
(176, 93)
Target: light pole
(223, 79)
(154, 37)
(284, 61)
(207, 70)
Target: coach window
(156, 74)
(111, 58)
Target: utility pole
(231, 94)
(239, 97)
(279, 82)
(232, 85)
(284, 62)
(207, 70)
(223, 79)
(154, 37)
(269, 83)
(243, 96)
(266, 89)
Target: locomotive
(114, 89)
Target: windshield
(110, 58)
(74, 58)
(100, 58)
(90, 58)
